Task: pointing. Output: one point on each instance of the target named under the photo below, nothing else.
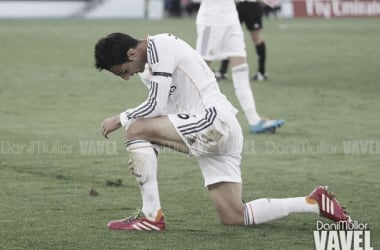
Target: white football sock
(243, 91)
(266, 210)
(144, 162)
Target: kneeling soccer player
(186, 111)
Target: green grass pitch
(324, 81)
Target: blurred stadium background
(157, 9)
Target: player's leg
(227, 201)
(203, 131)
(222, 177)
(234, 48)
(226, 197)
(319, 201)
(260, 47)
(255, 25)
(243, 90)
(142, 135)
(158, 130)
(268, 209)
(143, 164)
(257, 36)
(245, 96)
(221, 73)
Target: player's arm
(113, 123)
(109, 125)
(154, 105)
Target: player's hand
(270, 3)
(109, 125)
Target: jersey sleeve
(161, 62)
(153, 106)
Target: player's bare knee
(232, 221)
(226, 222)
(231, 217)
(135, 130)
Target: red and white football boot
(139, 222)
(329, 206)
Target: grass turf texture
(324, 81)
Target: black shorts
(251, 13)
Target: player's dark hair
(112, 50)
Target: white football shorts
(216, 138)
(220, 42)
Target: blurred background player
(192, 7)
(251, 13)
(177, 8)
(220, 36)
(272, 9)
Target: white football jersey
(180, 81)
(217, 12)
